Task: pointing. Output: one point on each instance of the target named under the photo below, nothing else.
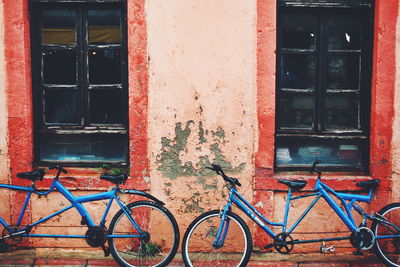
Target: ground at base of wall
(65, 257)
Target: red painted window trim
(382, 100)
(19, 95)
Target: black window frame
(83, 88)
(361, 135)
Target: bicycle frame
(321, 190)
(76, 202)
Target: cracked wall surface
(201, 100)
(396, 124)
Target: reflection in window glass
(58, 26)
(299, 31)
(343, 72)
(297, 71)
(105, 66)
(344, 32)
(341, 113)
(330, 152)
(106, 106)
(296, 112)
(61, 106)
(84, 148)
(59, 67)
(104, 26)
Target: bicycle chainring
(96, 236)
(362, 238)
(283, 243)
(9, 239)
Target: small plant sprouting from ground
(149, 249)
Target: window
(80, 82)
(323, 84)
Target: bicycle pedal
(106, 250)
(269, 246)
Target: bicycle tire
(198, 250)
(387, 249)
(163, 241)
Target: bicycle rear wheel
(388, 249)
(157, 248)
(197, 249)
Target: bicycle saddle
(294, 184)
(116, 179)
(369, 184)
(36, 175)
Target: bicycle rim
(388, 249)
(157, 249)
(198, 249)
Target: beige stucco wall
(396, 125)
(4, 170)
(202, 109)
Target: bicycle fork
(223, 228)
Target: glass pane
(59, 67)
(341, 113)
(106, 106)
(344, 32)
(104, 26)
(105, 66)
(84, 148)
(297, 72)
(299, 31)
(329, 152)
(61, 106)
(343, 72)
(296, 112)
(58, 26)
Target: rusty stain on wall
(171, 165)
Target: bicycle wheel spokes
(158, 240)
(388, 249)
(198, 249)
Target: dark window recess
(323, 86)
(80, 81)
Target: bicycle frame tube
(321, 190)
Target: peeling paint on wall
(172, 166)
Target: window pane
(106, 106)
(344, 32)
(58, 26)
(299, 31)
(61, 106)
(343, 72)
(105, 66)
(104, 26)
(297, 72)
(83, 148)
(341, 112)
(59, 67)
(296, 112)
(330, 152)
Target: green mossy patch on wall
(171, 165)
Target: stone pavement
(67, 258)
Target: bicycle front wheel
(159, 244)
(197, 244)
(388, 249)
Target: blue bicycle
(142, 233)
(221, 237)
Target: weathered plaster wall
(396, 124)
(4, 170)
(202, 72)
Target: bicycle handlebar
(220, 172)
(58, 167)
(314, 168)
